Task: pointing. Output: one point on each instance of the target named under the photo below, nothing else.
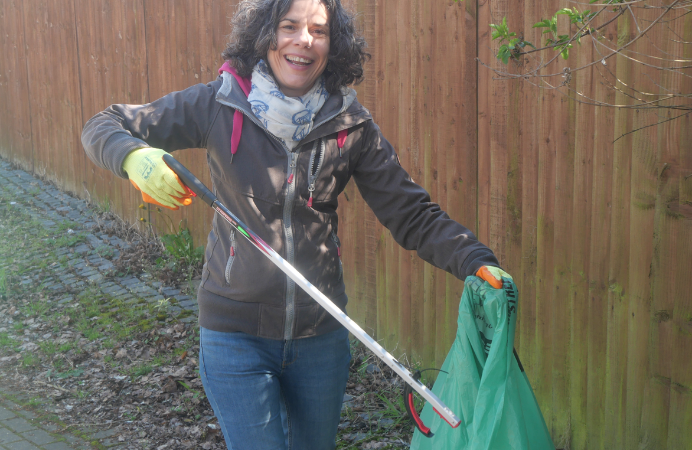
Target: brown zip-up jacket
(268, 187)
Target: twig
(652, 125)
(634, 18)
(53, 386)
(619, 50)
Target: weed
(67, 240)
(3, 281)
(179, 246)
(30, 360)
(85, 326)
(64, 348)
(48, 347)
(105, 251)
(104, 205)
(35, 401)
(34, 309)
(67, 225)
(141, 370)
(70, 373)
(58, 364)
(395, 411)
(7, 342)
(80, 394)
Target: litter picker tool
(209, 198)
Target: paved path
(21, 429)
(52, 208)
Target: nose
(304, 37)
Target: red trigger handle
(411, 409)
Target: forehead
(307, 10)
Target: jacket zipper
(290, 249)
(231, 257)
(315, 167)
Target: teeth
(298, 59)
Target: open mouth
(298, 61)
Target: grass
(30, 360)
(67, 240)
(49, 347)
(6, 342)
(36, 309)
(3, 281)
(141, 370)
(67, 225)
(105, 251)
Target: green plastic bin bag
(484, 383)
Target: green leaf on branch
(504, 53)
(502, 31)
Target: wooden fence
(597, 233)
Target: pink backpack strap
(245, 85)
(341, 139)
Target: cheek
(273, 59)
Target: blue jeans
(275, 395)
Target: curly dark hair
(254, 33)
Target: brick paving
(21, 429)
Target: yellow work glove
(493, 275)
(155, 180)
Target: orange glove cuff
(485, 274)
(186, 200)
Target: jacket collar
(338, 113)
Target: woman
(284, 134)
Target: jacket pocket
(231, 257)
(336, 241)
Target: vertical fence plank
(531, 140)
(643, 199)
(16, 142)
(457, 135)
(549, 116)
(601, 201)
(680, 414)
(618, 273)
(578, 270)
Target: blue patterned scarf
(287, 118)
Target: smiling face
(302, 47)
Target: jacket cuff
(478, 259)
(119, 146)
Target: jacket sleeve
(405, 208)
(176, 121)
